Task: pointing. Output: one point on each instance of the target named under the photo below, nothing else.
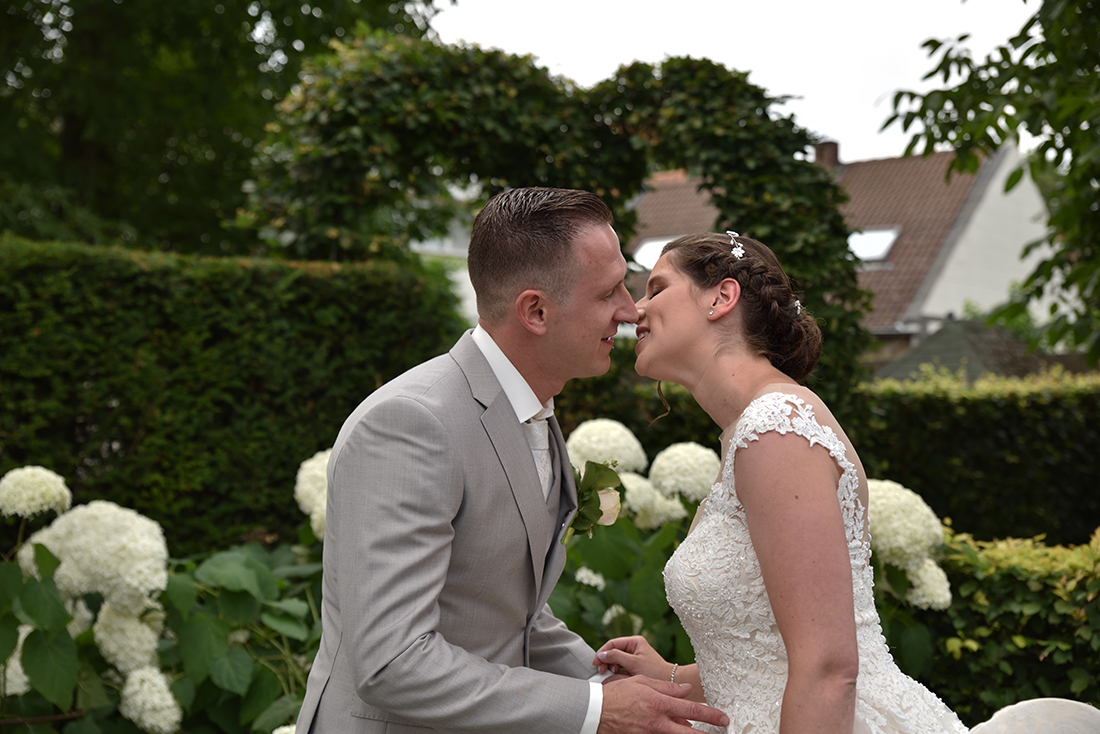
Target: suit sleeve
(397, 487)
(555, 649)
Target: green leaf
(51, 666)
(200, 641)
(236, 571)
(232, 671)
(597, 477)
(915, 650)
(184, 691)
(238, 607)
(279, 713)
(84, 725)
(9, 636)
(181, 593)
(1014, 178)
(293, 607)
(40, 605)
(607, 553)
(11, 583)
(90, 693)
(45, 561)
(297, 570)
(262, 693)
(288, 626)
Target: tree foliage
(370, 149)
(370, 146)
(145, 113)
(1045, 81)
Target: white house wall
(986, 259)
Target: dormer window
(872, 246)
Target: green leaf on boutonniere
(598, 499)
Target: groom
(449, 491)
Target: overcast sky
(844, 59)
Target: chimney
(827, 154)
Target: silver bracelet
(672, 678)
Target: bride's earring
(712, 312)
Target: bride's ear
(726, 296)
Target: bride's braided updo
(776, 324)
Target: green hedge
(190, 389)
(1024, 622)
(1002, 457)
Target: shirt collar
(520, 395)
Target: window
(872, 245)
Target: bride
(773, 583)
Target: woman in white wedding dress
(773, 583)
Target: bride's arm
(789, 490)
(635, 656)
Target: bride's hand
(632, 656)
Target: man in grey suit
(449, 491)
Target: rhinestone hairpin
(797, 306)
(738, 251)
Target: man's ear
(531, 310)
(727, 294)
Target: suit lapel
(512, 449)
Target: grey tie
(538, 436)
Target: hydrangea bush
(31, 490)
(220, 642)
(686, 469)
(311, 490)
(905, 533)
(604, 440)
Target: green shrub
(1001, 457)
(190, 389)
(1024, 622)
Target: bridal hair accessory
(738, 251)
(797, 306)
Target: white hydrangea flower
(148, 702)
(588, 577)
(650, 508)
(82, 617)
(31, 490)
(15, 680)
(284, 730)
(686, 469)
(603, 439)
(311, 490)
(930, 588)
(240, 637)
(125, 641)
(107, 549)
(904, 530)
(615, 611)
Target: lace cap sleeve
(786, 413)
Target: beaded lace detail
(714, 583)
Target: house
(928, 246)
(974, 349)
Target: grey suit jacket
(437, 570)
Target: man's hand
(640, 704)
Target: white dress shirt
(526, 405)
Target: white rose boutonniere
(598, 499)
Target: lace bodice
(714, 583)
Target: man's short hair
(523, 239)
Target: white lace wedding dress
(713, 582)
